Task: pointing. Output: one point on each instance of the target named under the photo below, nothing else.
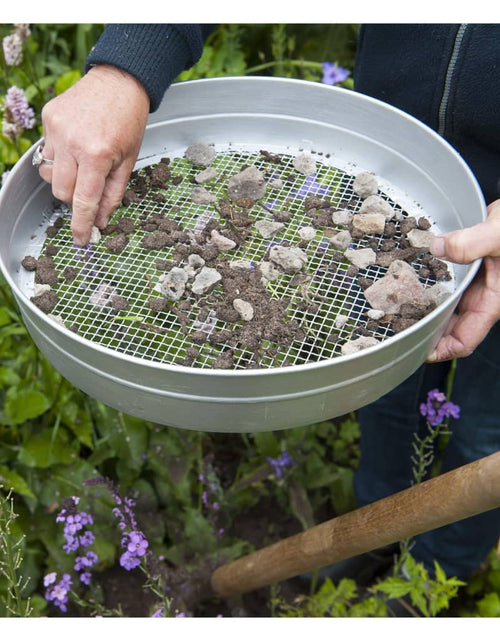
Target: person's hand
(93, 132)
(479, 308)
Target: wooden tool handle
(456, 495)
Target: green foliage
(54, 438)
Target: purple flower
(76, 536)
(436, 409)
(128, 561)
(18, 115)
(137, 544)
(333, 74)
(279, 464)
(59, 593)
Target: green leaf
(44, 449)
(66, 80)
(22, 405)
(12, 480)
(489, 606)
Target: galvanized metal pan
(346, 133)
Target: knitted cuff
(155, 54)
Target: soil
(382, 238)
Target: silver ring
(38, 159)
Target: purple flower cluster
(436, 409)
(18, 115)
(12, 45)
(333, 74)
(133, 541)
(77, 537)
(280, 464)
(57, 592)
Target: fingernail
(437, 246)
(432, 358)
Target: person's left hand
(479, 308)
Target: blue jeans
(387, 431)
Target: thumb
(466, 245)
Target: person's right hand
(93, 132)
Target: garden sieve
(138, 366)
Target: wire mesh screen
(108, 296)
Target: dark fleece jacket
(446, 75)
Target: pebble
(221, 242)
(200, 154)
(206, 175)
(205, 280)
(342, 217)
(249, 183)
(420, 238)
(361, 257)
(268, 228)
(290, 259)
(305, 164)
(377, 205)
(400, 285)
(340, 240)
(95, 235)
(365, 184)
(307, 233)
(369, 223)
(356, 345)
(173, 283)
(202, 196)
(244, 309)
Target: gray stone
(376, 205)
(357, 344)
(369, 223)
(249, 183)
(268, 228)
(361, 257)
(244, 309)
(365, 184)
(205, 280)
(173, 283)
(290, 259)
(305, 164)
(400, 285)
(200, 154)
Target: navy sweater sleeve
(155, 54)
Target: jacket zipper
(443, 107)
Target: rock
(249, 183)
(205, 280)
(307, 233)
(399, 286)
(340, 240)
(200, 154)
(438, 293)
(221, 242)
(173, 283)
(305, 164)
(341, 320)
(206, 175)
(269, 271)
(46, 301)
(361, 257)
(95, 235)
(375, 314)
(365, 184)
(420, 238)
(368, 223)
(342, 217)
(244, 309)
(268, 228)
(377, 205)
(242, 266)
(353, 346)
(290, 259)
(201, 196)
